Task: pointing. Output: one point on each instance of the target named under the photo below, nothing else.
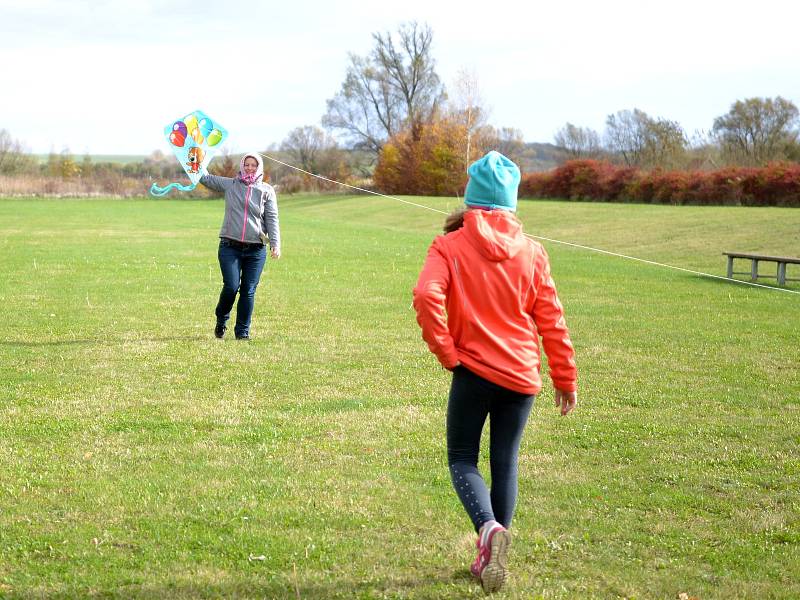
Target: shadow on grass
(109, 341)
(748, 284)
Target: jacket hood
(259, 171)
(496, 234)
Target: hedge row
(774, 185)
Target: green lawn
(142, 458)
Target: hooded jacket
(484, 297)
(250, 209)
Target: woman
(251, 220)
(483, 298)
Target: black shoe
(243, 337)
(219, 330)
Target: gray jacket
(257, 200)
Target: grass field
(142, 458)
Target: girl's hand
(274, 253)
(566, 400)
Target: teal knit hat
(493, 182)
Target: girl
(251, 220)
(483, 298)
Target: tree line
(753, 133)
(419, 138)
(394, 125)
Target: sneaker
(219, 330)
(246, 336)
(490, 566)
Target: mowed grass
(142, 458)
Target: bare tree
(310, 148)
(625, 135)
(467, 108)
(227, 166)
(703, 152)
(665, 144)
(579, 142)
(757, 130)
(394, 87)
(305, 146)
(13, 158)
(642, 141)
(510, 142)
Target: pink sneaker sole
(496, 570)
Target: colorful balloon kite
(194, 139)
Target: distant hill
(541, 157)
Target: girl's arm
(430, 297)
(215, 182)
(270, 222)
(548, 314)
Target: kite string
(352, 187)
(571, 244)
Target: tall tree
(13, 158)
(466, 107)
(394, 87)
(427, 162)
(305, 146)
(758, 130)
(67, 166)
(227, 166)
(508, 141)
(625, 135)
(310, 148)
(643, 141)
(579, 142)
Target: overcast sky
(105, 77)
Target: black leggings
(472, 399)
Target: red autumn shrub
(670, 187)
(725, 186)
(577, 180)
(778, 184)
(534, 185)
(641, 189)
(616, 181)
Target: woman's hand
(566, 400)
(274, 253)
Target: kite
(194, 139)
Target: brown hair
(455, 220)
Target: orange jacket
(484, 297)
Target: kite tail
(156, 190)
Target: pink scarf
(254, 177)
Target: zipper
(246, 203)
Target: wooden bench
(755, 259)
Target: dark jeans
(472, 400)
(241, 266)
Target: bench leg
(781, 273)
(730, 267)
(754, 270)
